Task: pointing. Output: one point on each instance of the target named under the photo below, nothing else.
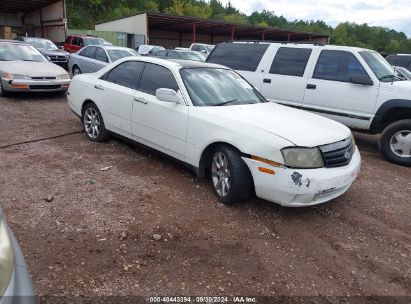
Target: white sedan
(211, 119)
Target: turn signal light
(267, 161)
(19, 86)
(266, 170)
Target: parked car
(202, 48)
(148, 50)
(15, 282)
(210, 118)
(354, 86)
(403, 72)
(92, 58)
(23, 68)
(180, 54)
(48, 49)
(74, 43)
(402, 60)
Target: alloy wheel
(92, 122)
(220, 172)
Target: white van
(354, 86)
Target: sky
(395, 14)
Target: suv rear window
(290, 61)
(238, 56)
(398, 60)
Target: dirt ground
(95, 235)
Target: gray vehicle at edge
(92, 58)
(16, 286)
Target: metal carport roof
(22, 6)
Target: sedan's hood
(299, 127)
(54, 52)
(31, 68)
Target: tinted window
(77, 41)
(101, 55)
(290, 61)
(126, 74)
(403, 61)
(338, 66)
(68, 39)
(238, 56)
(195, 47)
(88, 52)
(162, 53)
(156, 77)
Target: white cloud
(388, 13)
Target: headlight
(303, 157)
(6, 257)
(16, 76)
(63, 76)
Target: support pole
(194, 32)
(263, 35)
(232, 33)
(289, 37)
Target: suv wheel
(230, 176)
(395, 142)
(93, 124)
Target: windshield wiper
(226, 102)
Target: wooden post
(194, 32)
(41, 23)
(289, 37)
(180, 39)
(311, 39)
(263, 35)
(232, 33)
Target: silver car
(15, 282)
(92, 58)
(23, 68)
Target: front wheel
(395, 142)
(3, 93)
(76, 70)
(230, 176)
(93, 124)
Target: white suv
(354, 86)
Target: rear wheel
(230, 176)
(395, 142)
(93, 124)
(76, 70)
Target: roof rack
(282, 42)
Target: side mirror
(167, 95)
(361, 79)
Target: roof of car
(10, 41)
(195, 64)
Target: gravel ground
(148, 226)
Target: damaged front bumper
(303, 187)
(22, 85)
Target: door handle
(99, 87)
(311, 86)
(267, 80)
(142, 100)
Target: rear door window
(290, 61)
(239, 56)
(155, 77)
(173, 55)
(126, 74)
(338, 66)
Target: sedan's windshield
(215, 87)
(94, 41)
(14, 52)
(192, 56)
(41, 43)
(380, 67)
(210, 48)
(116, 54)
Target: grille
(45, 87)
(57, 58)
(42, 78)
(337, 154)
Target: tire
(395, 142)
(3, 93)
(75, 70)
(230, 177)
(93, 124)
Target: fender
(377, 123)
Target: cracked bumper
(314, 186)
